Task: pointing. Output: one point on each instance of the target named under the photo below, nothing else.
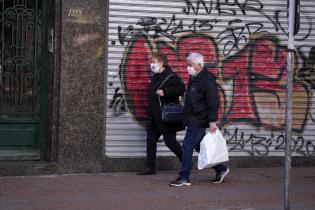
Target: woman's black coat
(172, 88)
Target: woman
(168, 92)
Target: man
(200, 113)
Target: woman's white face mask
(155, 67)
(191, 70)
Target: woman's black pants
(153, 136)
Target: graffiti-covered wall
(244, 45)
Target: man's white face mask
(191, 70)
(155, 67)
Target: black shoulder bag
(170, 113)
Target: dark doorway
(23, 70)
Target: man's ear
(200, 67)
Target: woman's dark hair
(160, 57)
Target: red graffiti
(235, 68)
(259, 77)
(135, 76)
(257, 74)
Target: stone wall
(81, 86)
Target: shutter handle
(51, 40)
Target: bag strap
(162, 85)
(165, 80)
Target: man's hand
(213, 127)
(160, 92)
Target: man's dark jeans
(191, 141)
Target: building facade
(74, 76)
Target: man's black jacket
(172, 88)
(201, 100)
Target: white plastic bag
(213, 150)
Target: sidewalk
(243, 188)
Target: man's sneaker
(147, 171)
(179, 182)
(219, 178)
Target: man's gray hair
(196, 58)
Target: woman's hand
(213, 127)
(160, 92)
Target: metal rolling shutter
(246, 42)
